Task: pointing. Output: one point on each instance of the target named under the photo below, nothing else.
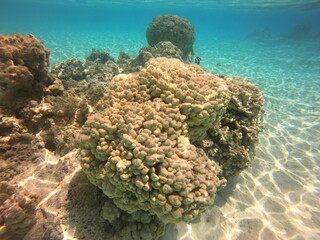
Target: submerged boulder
(175, 29)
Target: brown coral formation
(101, 67)
(140, 225)
(161, 49)
(90, 209)
(143, 148)
(17, 212)
(24, 63)
(99, 56)
(17, 146)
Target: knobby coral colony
(24, 63)
(165, 139)
(23, 59)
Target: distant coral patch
(175, 29)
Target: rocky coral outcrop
(57, 120)
(24, 63)
(232, 141)
(161, 49)
(99, 56)
(72, 69)
(77, 70)
(175, 29)
(138, 225)
(145, 147)
(39, 102)
(97, 217)
(101, 67)
(18, 147)
(17, 212)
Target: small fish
(197, 60)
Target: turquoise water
(279, 196)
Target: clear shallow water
(213, 4)
(278, 197)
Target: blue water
(287, 70)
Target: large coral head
(138, 149)
(161, 136)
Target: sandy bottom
(278, 197)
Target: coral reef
(97, 55)
(71, 69)
(89, 207)
(138, 225)
(175, 29)
(232, 141)
(77, 70)
(158, 145)
(146, 145)
(35, 135)
(101, 67)
(161, 49)
(123, 59)
(17, 146)
(24, 63)
(58, 119)
(17, 212)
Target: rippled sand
(279, 196)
